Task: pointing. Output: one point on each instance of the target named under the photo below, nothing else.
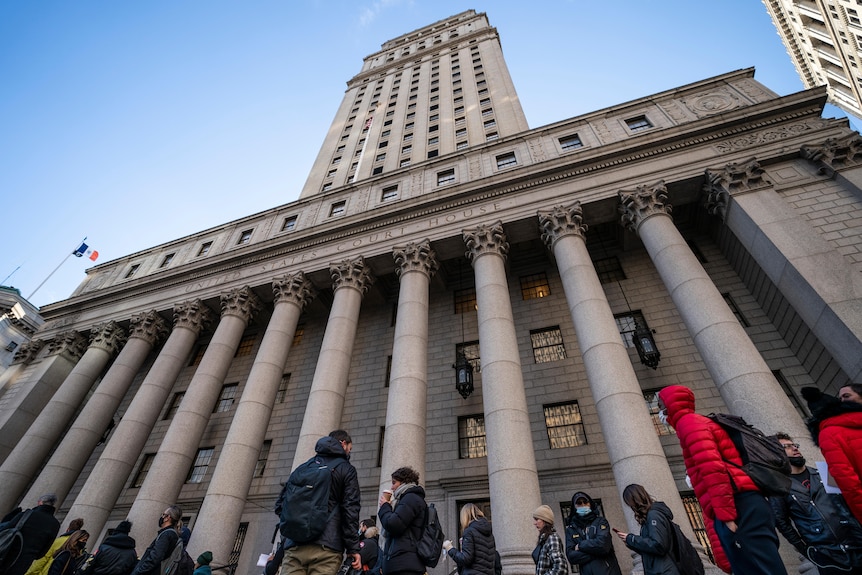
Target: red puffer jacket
(705, 447)
(841, 443)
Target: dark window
(227, 397)
(337, 209)
(289, 224)
(246, 344)
(609, 270)
(233, 559)
(535, 286)
(244, 238)
(200, 465)
(281, 394)
(465, 300)
(167, 260)
(389, 193)
(262, 458)
(564, 424)
(471, 437)
(297, 336)
(791, 395)
(445, 177)
(133, 270)
(174, 405)
(572, 142)
(695, 518)
(380, 446)
(638, 124)
(146, 463)
(547, 344)
(506, 160)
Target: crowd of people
(42, 552)
(823, 523)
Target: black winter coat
(655, 541)
(595, 547)
(815, 518)
(406, 520)
(115, 556)
(341, 533)
(478, 550)
(39, 532)
(159, 550)
(64, 563)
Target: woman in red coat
(739, 520)
(836, 426)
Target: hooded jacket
(115, 556)
(478, 549)
(39, 531)
(837, 428)
(403, 526)
(705, 447)
(592, 536)
(655, 541)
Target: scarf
(399, 493)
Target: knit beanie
(544, 513)
(205, 558)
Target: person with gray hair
(163, 545)
(38, 532)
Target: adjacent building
(706, 236)
(823, 39)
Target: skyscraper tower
(427, 93)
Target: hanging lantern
(645, 344)
(463, 375)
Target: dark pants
(753, 549)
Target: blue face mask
(582, 511)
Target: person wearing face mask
(170, 523)
(71, 555)
(589, 541)
(818, 524)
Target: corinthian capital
(240, 302)
(834, 153)
(415, 256)
(351, 273)
(107, 336)
(642, 202)
(562, 221)
(294, 288)
(149, 327)
(488, 239)
(732, 178)
(70, 343)
(193, 315)
(28, 351)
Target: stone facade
(713, 213)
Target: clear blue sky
(134, 123)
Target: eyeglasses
(789, 445)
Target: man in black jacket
(589, 541)
(116, 555)
(818, 524)
(163, 545)
(323, 556)
(38, 532)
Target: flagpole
(53, 272)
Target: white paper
(828, 481)
(261, 561)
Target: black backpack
(303, 506)
(763, 458)
(11, 540)
(684, 555)
(429, 546)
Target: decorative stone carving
(711, 103)
(734, 177)
(149, 327)
(415, 256)
(488, 239)
(193, 315)
(294, 288)
(770, 135)
(70, 343)
(240, 302)
(834, 153)
(351, 273)
(108, 336)
(562, 221)
(28, 351)
(642, 202)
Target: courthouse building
(715, 225)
